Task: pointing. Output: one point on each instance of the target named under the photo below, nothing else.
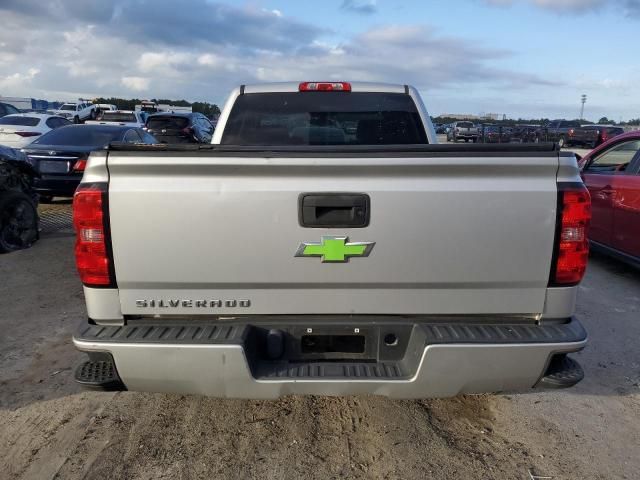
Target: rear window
(22, 121)
(465, 125)
(324, 118)
(118, 117)
(167, 123)
(68, 107)
(82, 136)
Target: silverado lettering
(175, 303)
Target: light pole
(583, 99)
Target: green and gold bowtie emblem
(335, 249)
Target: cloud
(631, 8)
(365, 7)
(18, 79)
(137, 84)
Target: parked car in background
(77, 112)
(592, 135)
(20, 129)
(611, 172)
(60, 156)
(7, 109)
(104, 107)
(127, 118)
(558, 130)
(528, 134)
(180, 127)
(462, 131)
(495, 134)
(18, 201)
(440, 128)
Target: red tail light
(80, 165)
(571, 132)
(93, 244)
(572, 245)
(187, 130)
(324, 87)
(28, 134)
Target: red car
(611, 172)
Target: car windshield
(324, 118)
(22, 121)
(118, 117)
(68, 106)
(81, 136)
(167, 122)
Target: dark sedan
(180, 127)
(60, 156)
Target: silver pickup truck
(324, 243)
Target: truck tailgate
(203, 233)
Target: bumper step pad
(563, 372)
(99, 375)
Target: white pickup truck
(326, 244)
(127, 118)
(77, 112)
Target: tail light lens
(572, 245)
(187, 130)
(324, 87)
(94, 259)
(80, 165)
(28, 134)
(571, 132)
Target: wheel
(18, 221)
(561, 142)
(76, 119)
(93, 115)
(45, 198)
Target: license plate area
(329, 343)
(323, 344)
(54, 166)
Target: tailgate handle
(334, 210)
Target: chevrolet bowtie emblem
(335, 249)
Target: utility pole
(583, 99)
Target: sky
(521, 58)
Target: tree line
(206, 108)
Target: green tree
(604, 120)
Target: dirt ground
(50, 428)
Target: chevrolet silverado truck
(324, 243)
